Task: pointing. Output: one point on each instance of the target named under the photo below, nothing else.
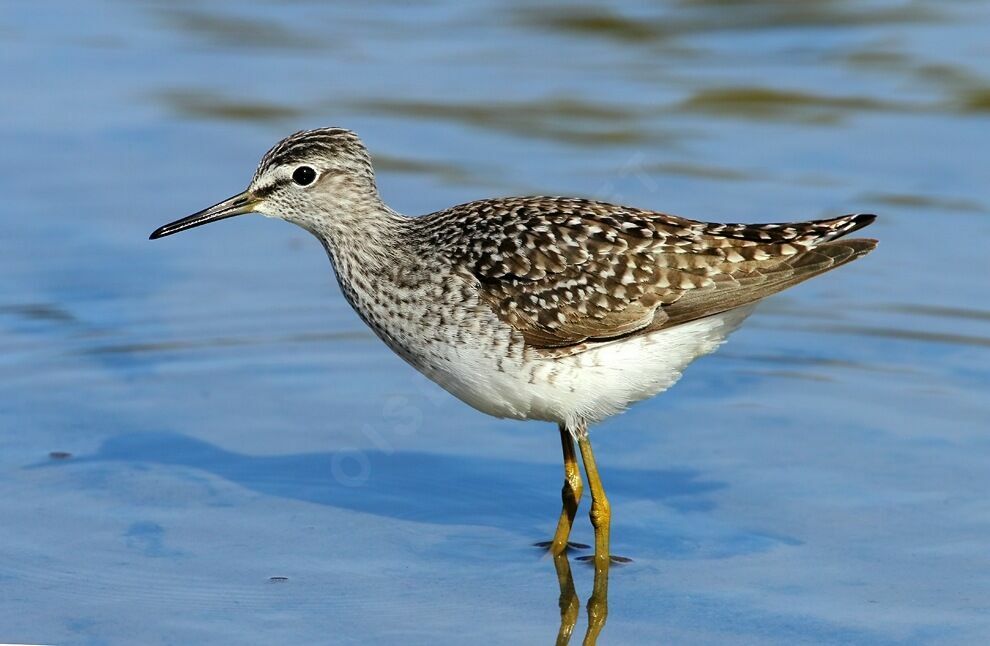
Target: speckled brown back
(565, 270)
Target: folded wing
(563, 271)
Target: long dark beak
(237, 205)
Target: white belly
(590, 386)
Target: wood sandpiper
(559, 309)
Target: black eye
(303, 175)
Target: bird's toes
(614, 558)
(570, 545)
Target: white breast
(589, 386)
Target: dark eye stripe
(265, 191)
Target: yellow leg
(570, 494)
(601, 520)
(601, 513)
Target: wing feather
(563, 271)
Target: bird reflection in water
(570, 603)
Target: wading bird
(558, 309)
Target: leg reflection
(570, 603)
(597, 606)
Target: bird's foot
(548, 545)
(621, 560)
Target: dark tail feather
(846, 224)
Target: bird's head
(306, 179)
